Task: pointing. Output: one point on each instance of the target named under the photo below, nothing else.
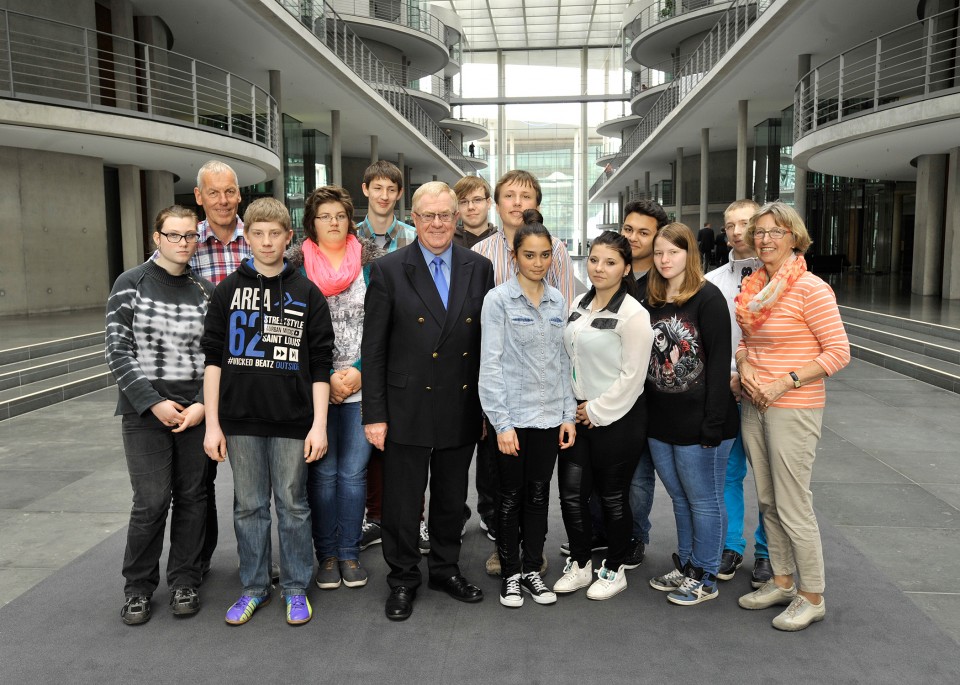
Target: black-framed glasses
(175, 238)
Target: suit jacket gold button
(420, 320)
(435, 355)
(469, 320)
(464, 387)
(465, 354)
(429, 388)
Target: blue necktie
(439, 279)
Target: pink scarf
(319, 270)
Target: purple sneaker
(299, 610)
(241, 612)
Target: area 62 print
(262, 334)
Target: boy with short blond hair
(268, 347)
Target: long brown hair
(681, 236)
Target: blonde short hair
(784, 216)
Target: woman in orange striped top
(792, 339)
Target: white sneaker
(510, 595)
(800, 614)
(608, 583)
(770, 594)
(574, 577)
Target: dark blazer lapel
(461, 273)
(418, 273)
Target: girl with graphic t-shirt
(692, 413)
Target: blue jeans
(260, 465)
(165, 467)
(733, 500)
(337, 485)
(642, 485)
(694, 476)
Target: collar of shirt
(369, 232)
(446, 256)
(550, 294)
(206, 233)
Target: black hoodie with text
(273, 339)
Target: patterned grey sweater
(154, 325)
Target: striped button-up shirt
(560, 275)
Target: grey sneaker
(370, 534)
(328, 575)
(184, 601)
(424, 538)
(770, 594)
(800, 614)
(352, 573)
(136, 610)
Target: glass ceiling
(525, 24)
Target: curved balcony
(648, 83)
(406, 26)
(732, 25)
(901, 86)
(52, 63)
(614, 128)
(659, 28)
(479, 156)
(431, 90)
(338, 36)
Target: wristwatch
(796, 379)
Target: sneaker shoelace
(366, 526)
(689, 585)
(606, 574)
(537, 582)
(297, 601)
(513, 585)
(796, 606)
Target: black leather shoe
(730, 561)
(458, 588)
(762, 572)
(400, 603)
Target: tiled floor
(887, 473)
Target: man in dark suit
(421, 364)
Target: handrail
(732, 25)
(911, 63)
(43, 60)
(335, 33)
(412, 78)
(410, 15)
(652, 76)
(665, 10)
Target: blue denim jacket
(524, 369)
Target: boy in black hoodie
(268, 346)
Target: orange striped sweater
(805, 324)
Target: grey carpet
(68, 630)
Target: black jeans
(602, 460)
(164, 467)
(486, 476)
(524, 486)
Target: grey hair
(434, 189)
(215, 166)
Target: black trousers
(602, 461)
(486, 475)
(524, 482)
(405, 472)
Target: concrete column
(501, 161)
(704, 173)
(646, 184)
(131, 215)
(336, 148)
(928, 233)
(743, 171)
(678, 184)
(402, 204)
(896, 234)
(951, 243)
(800, 175)
(158, 193)
(374, 149)
(579, 234)
(276, 92)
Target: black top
(688, 381)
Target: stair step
(935, 330)
(49, 347)
(916, 343)
(32, 370)
(937, 372)
(43, 393)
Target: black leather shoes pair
(458, 588)
(400, 603)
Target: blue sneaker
(241, 612)
(299, 610)
(696, 587)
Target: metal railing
(48, 61)
(665, 10)
(732, 25)
(423, 81)
(410, 15)
(336, 34)
(652, 76)
(478, 153)
(915, 62)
